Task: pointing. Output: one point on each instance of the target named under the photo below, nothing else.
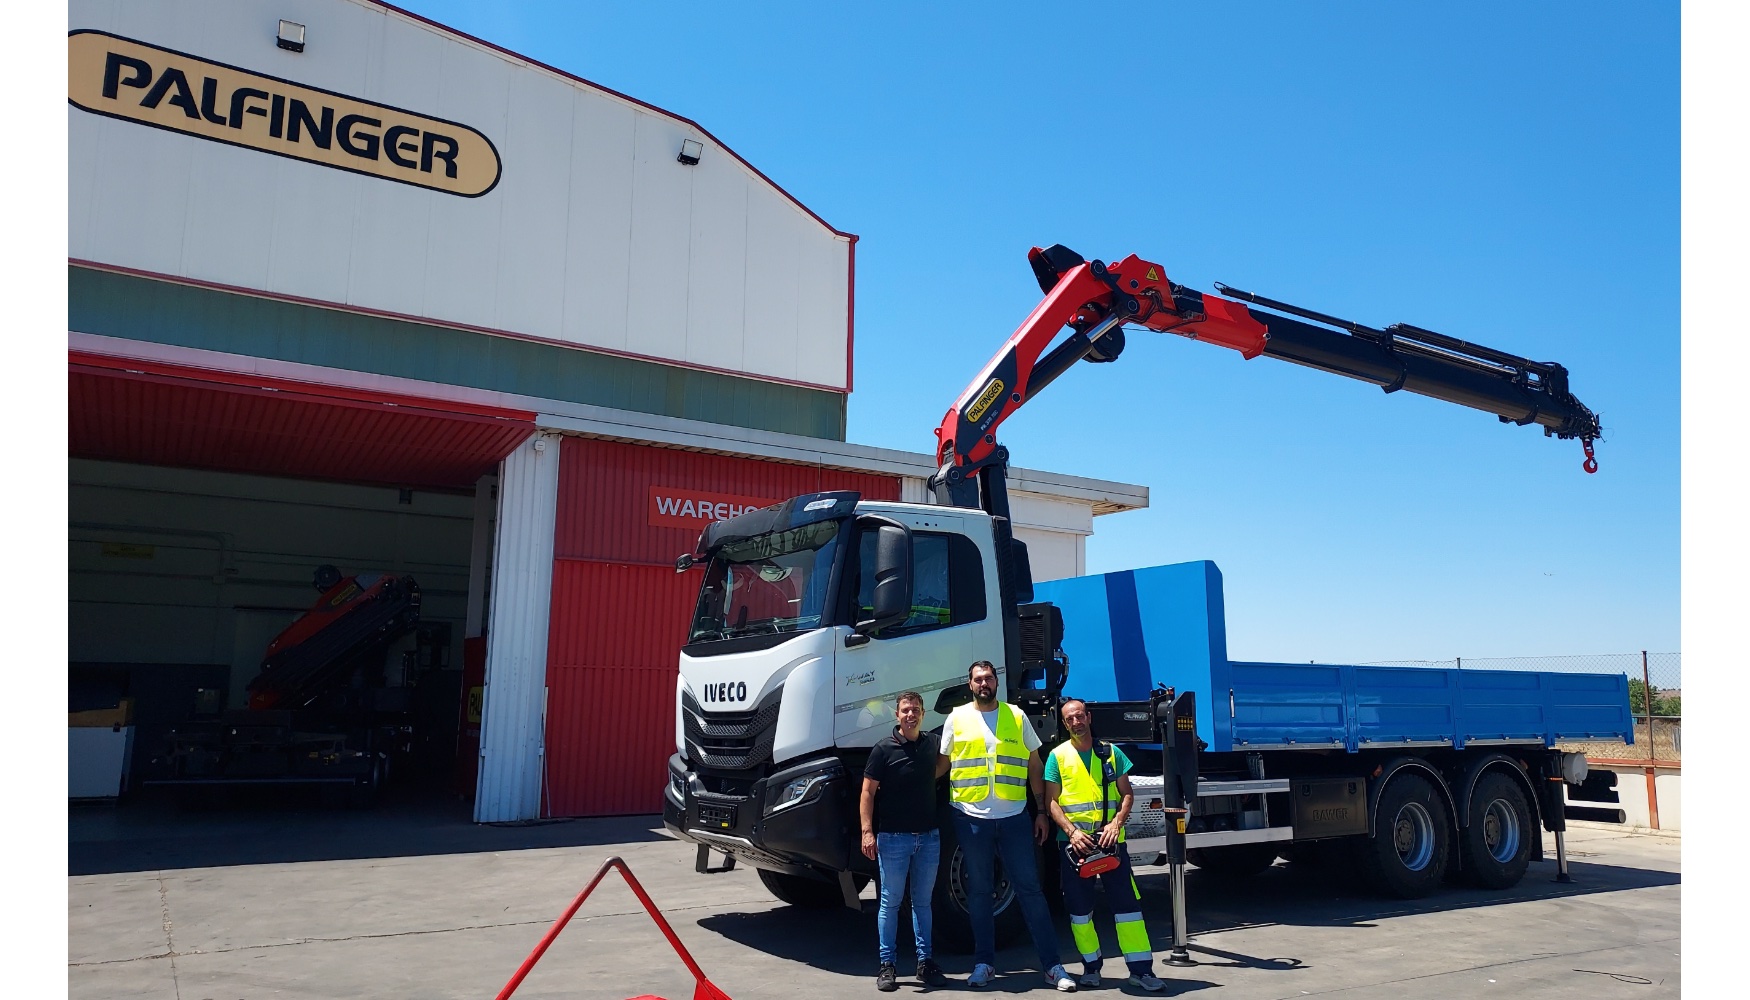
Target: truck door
(953, 622)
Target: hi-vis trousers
(1126, 902)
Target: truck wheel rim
(1413, 836)
(1501, 831)
(1002, 893)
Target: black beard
(984, 701)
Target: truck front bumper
(797, 821)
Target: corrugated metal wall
(516, 635)
(619, 611)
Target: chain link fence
(1655, 689)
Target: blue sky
(1506, 173)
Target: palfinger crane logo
(122, 78)
(991, 394)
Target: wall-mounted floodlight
(291, 36)
(690, 151)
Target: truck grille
(736, 741)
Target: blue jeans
(983, 840)
(900, 855)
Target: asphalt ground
(419, 903)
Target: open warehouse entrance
(274, 583)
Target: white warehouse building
(351, 292)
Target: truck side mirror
(891, 602)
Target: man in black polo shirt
(899, 801)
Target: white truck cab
(813, 617)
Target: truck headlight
(794, 792)
(678, 785)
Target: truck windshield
(769, 583)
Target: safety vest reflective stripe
(979, 770)
(1080, 795)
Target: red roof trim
(449, 324)
(164, 372)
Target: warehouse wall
(176, 566)
(1054, 530)
(593, 236)
(620, 611)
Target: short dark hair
(905, 696)
(986, 664)
(1067, 702)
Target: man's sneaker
(1146, 982)
(929, 974)
(1058, 976)
(1089, 979)
(981, 975)
(887, 980)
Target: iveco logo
(726, 691)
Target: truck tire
(1496, 841)
(1412, 836)
(1234, 860)
(809, 893)
(953, 923)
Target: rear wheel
(800, 890)
(1412, 836)
(953, 920)
(1234, 860)
(1496, 841)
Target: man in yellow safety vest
(1089, 798)
(990, 753)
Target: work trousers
(913, 858)
(1126, 903)
(983, 840)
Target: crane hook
(1591, 463)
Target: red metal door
(619, 610)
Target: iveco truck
(814, 614)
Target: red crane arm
(1096, 300)
(1093, 300)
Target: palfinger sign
(131, 80)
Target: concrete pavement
(440, 925)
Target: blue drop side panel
(1128, 631)
(1300, 703)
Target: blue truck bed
(1128, 631)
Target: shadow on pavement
(155, 831)
(1333, 895)
(843, 942)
